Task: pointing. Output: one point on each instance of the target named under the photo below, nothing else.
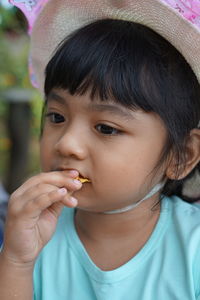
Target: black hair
(136, 67)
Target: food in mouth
(83, 180)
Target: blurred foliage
(14, 48)
(12, 19)
(13, 63)
(5, 144)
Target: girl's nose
(72, 143)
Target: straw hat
(176, 20)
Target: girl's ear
(192, 157)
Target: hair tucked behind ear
(138, 69)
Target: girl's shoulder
(182, 207)
(185, 217)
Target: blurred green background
(14, 77)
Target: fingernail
(62, 191)
(73, 201)
(73, 172)
(77, 182)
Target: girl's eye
(55, 117)
(106, 129)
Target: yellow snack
(83, 180)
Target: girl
(122, 112)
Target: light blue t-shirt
(166, 268)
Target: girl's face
(115, 147)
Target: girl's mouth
(79, 177)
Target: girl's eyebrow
(113, 109)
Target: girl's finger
(17, 204)
(56, 178)
(57, 207)
(34, 207)
(36, 191)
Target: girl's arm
(33, 213)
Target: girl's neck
(128, 232)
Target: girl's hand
(33, 213)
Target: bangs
(111, 60)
